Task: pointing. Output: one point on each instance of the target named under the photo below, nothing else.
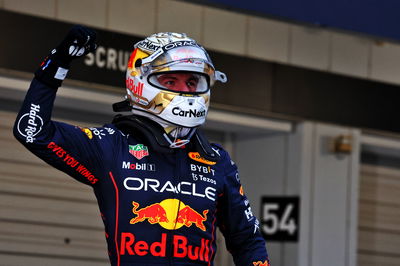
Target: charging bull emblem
(260, 263)
(171, 214)
(188, 216)
(154, 213)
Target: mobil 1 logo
(280, 218)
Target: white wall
(265, 166)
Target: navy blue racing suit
(157, 209)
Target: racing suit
(157, 209)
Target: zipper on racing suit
(178, 172)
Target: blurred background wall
(309, 114)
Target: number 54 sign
(280, 218)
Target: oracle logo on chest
(184, 187)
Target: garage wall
(379, 223)
(379, 212)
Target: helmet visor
(181, 58)
(180, 81)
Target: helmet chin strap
(176, 136)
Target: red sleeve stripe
(116, 218)
(213, 235)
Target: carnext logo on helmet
(148, 45)
(190, 113)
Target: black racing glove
(79, 42)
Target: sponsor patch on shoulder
(88, 132)
(196, 156)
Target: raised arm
(66, 147)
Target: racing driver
(161, 187)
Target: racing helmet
(170, 53)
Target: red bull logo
(154, 213)
(187, 216)
(134, 88)
(260, 263)
(171, 214)
(180, 244)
